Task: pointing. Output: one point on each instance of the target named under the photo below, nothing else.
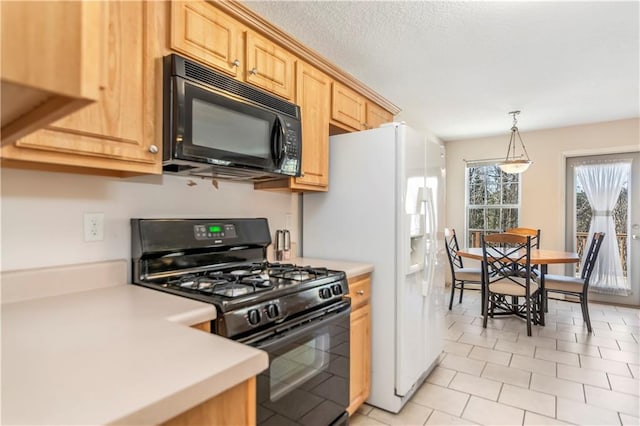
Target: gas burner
(259, 280)
(184, 281)
(249, 270)
(297, 273)
(233, 290)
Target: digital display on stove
(213, 231)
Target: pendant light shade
(515, 163)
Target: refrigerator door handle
(430, 255)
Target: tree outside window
(493, 202)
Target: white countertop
(120, 354)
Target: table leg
(543, 295)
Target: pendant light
(513, 163)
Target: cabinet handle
(253, 71)
(153, 149)
(235, 63)
(360, 292)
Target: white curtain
(602, 184)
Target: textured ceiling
(457, 68)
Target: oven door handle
(295, 332)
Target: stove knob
(272, 311)
(337, 289)
(254, 316)
(325, 293)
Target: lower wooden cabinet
(235, 406)
(360, 356)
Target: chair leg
(485, 310)
(461, 290)
(528, 303)
(453, 291)
(585, 311)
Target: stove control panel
(277, 310)
(214, 231)
(263, 313)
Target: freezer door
(411, 243)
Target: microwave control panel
(290, 162)
(214, 231)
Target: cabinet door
(269, 66)
(377, 116)
(359, 290)
(360, 363)
(202, 32)
(347, 107)
(313, 90)
(235, 406)
(51, 62)
(109, 134)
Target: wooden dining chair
(533, 233)
(459, 274)
(506, 292)
(578, 287)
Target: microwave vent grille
(199, 73)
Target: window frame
(468, 207)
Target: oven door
(307, 381)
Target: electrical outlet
(93, 226)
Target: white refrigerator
(384, 207)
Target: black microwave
(215, 126)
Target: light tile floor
(500, 376)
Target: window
(492, 202)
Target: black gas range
(298, 314)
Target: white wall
(42, 212)
(543, 185)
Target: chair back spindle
(592, 255)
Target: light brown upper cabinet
(313, 93)
(377, 116)
(204, 33)
(116, 133)
(347, 107)
(51, 62)
(313, 89)
(352, 111)
(269, 66)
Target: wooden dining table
(538, 256)
(541, 257)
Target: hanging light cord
(512, 139)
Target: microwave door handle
(277, 143)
